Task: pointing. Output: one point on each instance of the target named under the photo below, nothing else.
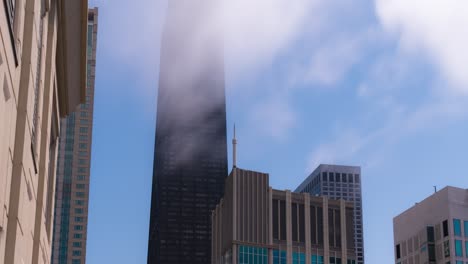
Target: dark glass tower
(190, 156)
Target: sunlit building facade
(434, 231)
(42, 79)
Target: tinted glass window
(275, 219)
(465, 227)
(430, 234)
(457, 227)
(445, 228)
(458, 248)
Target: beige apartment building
(42, 79)
(435, 230)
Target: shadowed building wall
(190, 155)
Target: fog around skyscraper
(367, 82)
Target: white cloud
(436, 28)
(333, 59)
(273, 117)
(257, 31)
(372, 146)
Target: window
(458, 248)
(77, 236)
(465, 228)
(253, 255)
(298, 258)
(446, 249)
(11, 9)
(398, 251)
(76, 253)
(275, 220)
(445, 228)
(76, 261)
(80, 177)
(83, 130)
(317, 259)
(78, 227)
(324, 177)
(432, 254)
(430, 234)
(294, 221)
(466, 248)
(77, 244)
(334, 260)
(282, 220)
(279, 257)
(457, 227)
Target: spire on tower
(234, 149)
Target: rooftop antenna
(234, 150)
(435, 189)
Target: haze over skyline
(381, 84)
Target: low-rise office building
(254, 223)
(434, 231)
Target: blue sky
(378, 83)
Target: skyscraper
(190, 155)
(340, 182)
(73, 168)
(435, 230)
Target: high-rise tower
(190, 161)
(74, 166)
(340, 182)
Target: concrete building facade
(73, 168)
(434, 231)
(42, 78)
(340, 182)
(254, 223)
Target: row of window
(457, 230)
(340, 177)
(257, 255)
(459, 248)
(253, 255)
